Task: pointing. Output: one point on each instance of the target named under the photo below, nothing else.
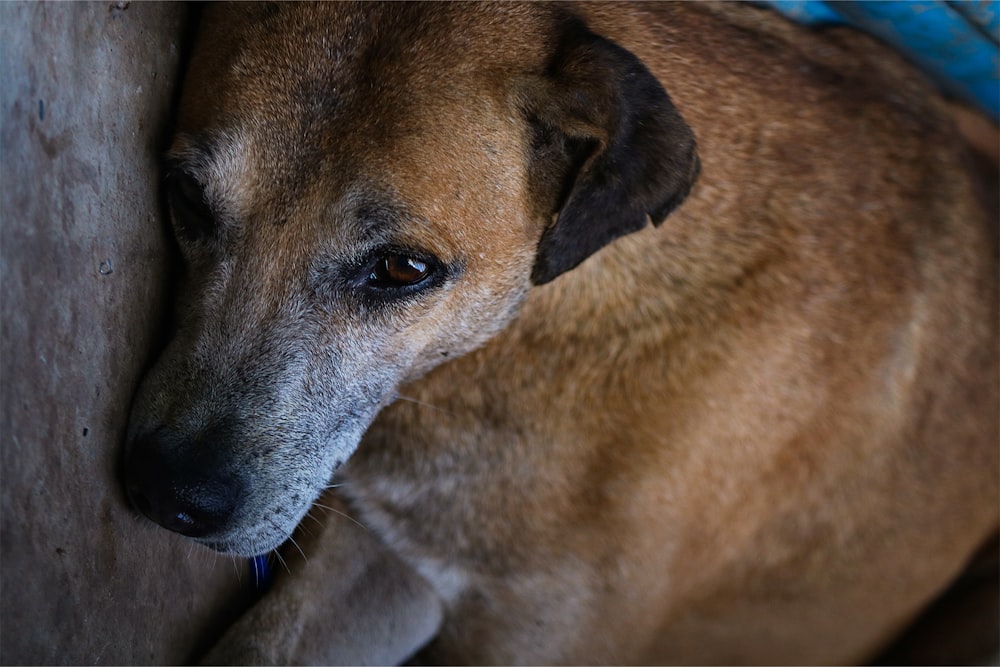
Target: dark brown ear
(627, 155)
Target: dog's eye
(394, 270)
(193, 217)
(393, 274)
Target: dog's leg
(350, 602)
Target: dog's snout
(187, 495)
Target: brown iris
(395, 270)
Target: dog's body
(763, 431)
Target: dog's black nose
(186, 494)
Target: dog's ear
(612, 149)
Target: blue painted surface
(956, 43)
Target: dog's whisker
(296, 545)
(343, 514)
(257, 574)
(236, 569)
(302, 524)
(281, 560)
(313, 517)
(415, 401)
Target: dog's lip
(235, 548)
(243, 545)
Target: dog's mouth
(226, 535)
(218, 513)
(234, 500)
(252, 534)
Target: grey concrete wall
(85, 93)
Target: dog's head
(360, 193)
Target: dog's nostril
(184, 522)
(201, 508)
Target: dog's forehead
(295, 65)
(280, 99)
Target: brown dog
(762, 429)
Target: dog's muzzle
(192, 493)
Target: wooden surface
(86, 92)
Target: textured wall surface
(86, 91)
